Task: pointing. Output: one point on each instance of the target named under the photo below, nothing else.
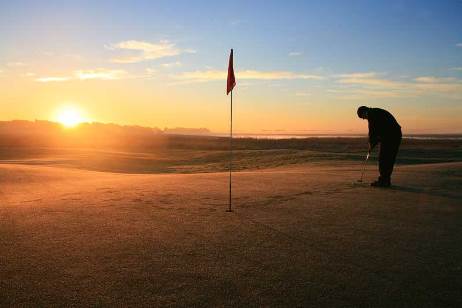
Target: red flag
(231, 79)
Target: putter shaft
(364, 166)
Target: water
(301, 136)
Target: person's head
(363, 112)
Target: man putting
(383, 129)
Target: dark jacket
(383, 126)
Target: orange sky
(149, 103)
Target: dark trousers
(387, 156)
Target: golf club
(364, 167)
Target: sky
(301, 66)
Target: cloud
(146, 51)
(431, 79)
(101, 74)
(357, 75)
(447, 86)
(295, 54)
(202, 75)
(369, 79)
(459, 45)
(53, 79)
(372, 85)
(189, 50)
(275, 75)
(150, 71)
(74, 56)
(210, 75)
(359, 94)
(16, 64)
(456, 68)
(97, 74)
(172, 64)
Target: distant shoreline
(302, 136)
(44, 127)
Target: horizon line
(263, 132)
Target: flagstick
(230, 154)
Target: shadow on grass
(423, 191)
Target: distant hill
(21, 133)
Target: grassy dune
(193, 154)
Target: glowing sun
(69, 116)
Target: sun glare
(69, 116)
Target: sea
(301, 136)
